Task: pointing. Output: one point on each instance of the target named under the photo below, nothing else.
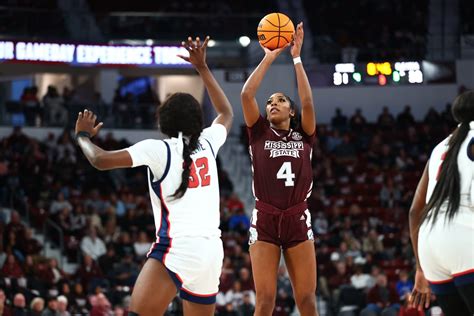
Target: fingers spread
(206, 41)
(185, 58)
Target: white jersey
(197, 212)
(465, 166)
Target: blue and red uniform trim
(449, 286)
(159, 250)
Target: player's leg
(196, 309)
(301, 264)
(153, 291)
(465, 286)
(452, 304)
(265, 261)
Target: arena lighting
(415, 76)
(149, 42)
(407, 66)
(80, 55)
(396, 76)
(357, 76)
(348, 67)
(337, 78)
(244, 41)
(379, 68)
(211, 43)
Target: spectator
(339, 121)
(37, 306)
(404, 285)
(382, 299)
(89, 273)
(372, 243)
(142, 245)
(19, 305)
(53, 104)
(92, 245)
(51, 308)
(320, 224)
(385, 119)
(59, 204)
(56, 272)
(359, 279)
(247, 308)
(357, 121)
(405, 119)
(239, 221)
(62, 306)
(11, 268)
(100, 305)
(390, 194)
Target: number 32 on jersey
(285, 173)
(201, 167)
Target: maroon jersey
(281, 164)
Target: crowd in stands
(365, 174)
(368, 30)
(57, 109)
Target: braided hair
(295, 120)
(448, 185)
(181, 112)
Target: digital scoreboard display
(92, 55)
(378, 73)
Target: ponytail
(448, 186)
(188, 149)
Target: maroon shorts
(284, 228)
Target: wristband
(297, 60)
(82, 134)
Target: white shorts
(446, 251)
(194, 264)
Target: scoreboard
(378, 73)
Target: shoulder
(214, 130)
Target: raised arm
(421, 291)
(308, 120)
(99, 158)
(197, 57)
(247, 96)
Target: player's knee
(306, 301)
(265, 302)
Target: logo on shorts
(310, 235)
(296, 136)
(302, 218)
(253, 235)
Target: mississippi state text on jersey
(281, 164)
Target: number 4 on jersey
(285, 174)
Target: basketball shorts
(194, 264)
(446, 250)
(284, 228)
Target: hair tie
(179, 144)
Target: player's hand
(197, 52)
(421, 295)
(86, 123)
(273, 54)
(297, 43)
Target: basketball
(275, 30)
